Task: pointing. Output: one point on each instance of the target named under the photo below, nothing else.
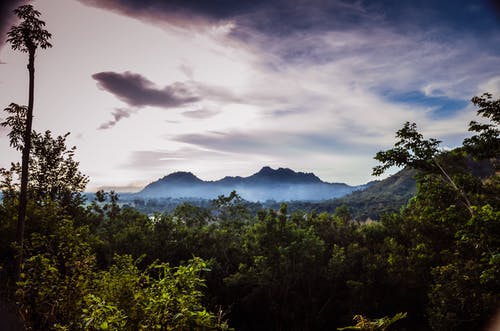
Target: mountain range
(280, 184)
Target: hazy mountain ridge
(280, 184)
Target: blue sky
(223, 88)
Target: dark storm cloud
(137, 91)
(215, 9)
(7, 17)
(276, 17)
(285, 17)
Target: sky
(223, 88)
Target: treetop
(30, 33)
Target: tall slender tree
(27, 37)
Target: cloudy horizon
(223, 89)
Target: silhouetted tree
(27, 37)
(485, 144)
(413, 151)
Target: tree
(282, 271)
(413, 151)
(438, 249)
(54, 173)
(27, 37)
(487, 143)
(55, 183)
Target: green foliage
(230, 209)
(61, 290)
(473, 272)
(411, 150)
(365, 324)
(55, 277)
(487, 142)
(16, 121)
(99, 315)
(54, 174)
(342, 212)
(120, 230)
(159, 298)
(283, 266)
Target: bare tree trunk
(23, 196)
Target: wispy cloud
(118, 114)
(159, 159)
(200, 113)
(274, 143)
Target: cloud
(275, 143)
(234, 142)
(200, 113)
(380, 48)
(286, 17)
(118, 114)
(146, 159)
(151, 159)
(178, 11)
(137, 91)
(215, 93)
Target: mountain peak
(181, 176)
(265, 169)
(270, 171)
(284, 175)
(175, 179)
